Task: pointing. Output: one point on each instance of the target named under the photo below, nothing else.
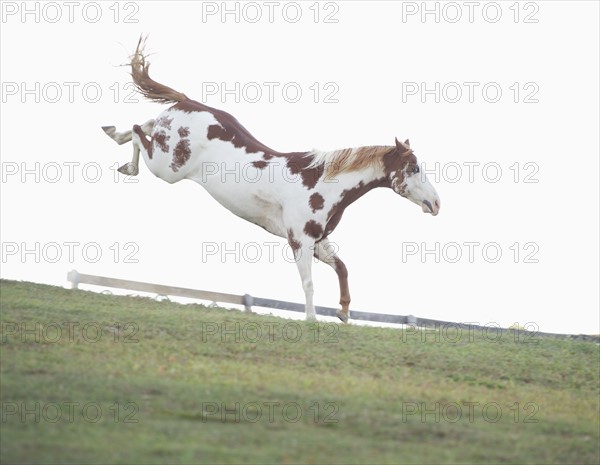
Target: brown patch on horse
(145, 142)
(229, 128)
(399, 162)
(316, 202)
(183, 132)
(164, 122)
(160, 138)
(298, 163)
(294, 244)
(260, 164)
(313, 229)
(346, 198)
(181, 154)
(215, 131)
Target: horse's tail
(145, 85)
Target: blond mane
(351, 159)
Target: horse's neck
(350, 186)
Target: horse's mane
(350, 159)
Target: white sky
(372, 55)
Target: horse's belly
(255, 207)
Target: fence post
(248, 301)
(73, 277)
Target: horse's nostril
(437, 204)
(427, 203)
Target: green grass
(369, 384)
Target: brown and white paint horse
(300, 196)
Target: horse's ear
(407, 143)
(402, 148)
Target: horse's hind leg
(125, 136)
(119, 137)
(131, 168)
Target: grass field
(94, 378)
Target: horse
(299, 196)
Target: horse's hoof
(342, 316)
(129, 169)
(109, 130)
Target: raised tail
(145, 85)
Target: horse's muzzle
(433, 209)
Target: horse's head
(406, 178)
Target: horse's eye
(415, 170)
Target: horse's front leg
(131, 168)
(326, 254)
(303, 252)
